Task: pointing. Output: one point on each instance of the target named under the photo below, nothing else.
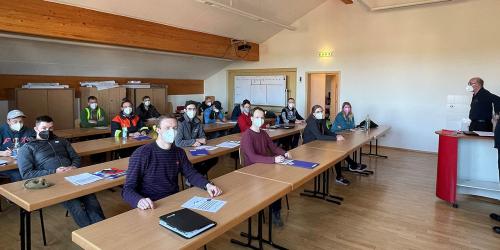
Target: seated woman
(316, 130)
(345, 121)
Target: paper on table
(482, 133)
(229, 144)
(3, 162)
(82, 179)
(204, 204)
(207, 147)
(103, 127)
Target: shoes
(342, 181)
(495, 216)
(496, 229)
(357, 168)
(277, 219)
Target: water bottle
(124, 133)
(367, 123)
(277, 120)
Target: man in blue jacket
(13, 134)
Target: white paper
(482, 133)
(82, 179)
(204, 204)
(3, 162)
(209, 148)
(229, 144)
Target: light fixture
(325, 54)
(244, 13)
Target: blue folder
(198, 152)
(303, 164)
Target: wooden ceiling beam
(46, 19)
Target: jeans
(13, 174)
(85, 210)
(276, 206)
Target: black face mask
(46, 134)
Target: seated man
(146, 110)
(191, 134)
(244, 120)
(289, 114)
(127, 119)
(48, 154)
(13, 134)
(154, 169)
(93, 115)
(213, 112)
(257, 147)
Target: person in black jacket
(481, 106)
(146, 110)
(316, 130)
(49, 154)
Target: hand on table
(288, 155)
(213, 190)
(202, 140)
(145, 203)
(279, 159)
(340, 138)
(7, 152)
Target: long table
(96, 236)
(31, 200)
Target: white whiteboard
(261, 90)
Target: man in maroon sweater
(257, 147)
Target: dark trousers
(204, 166)
(481, 126)
(338, 170)
(85, 210)
(498, 149)
(276, 206)
(290, 142)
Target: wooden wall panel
(41, 18)
(175, 86)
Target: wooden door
(33, 103)
(316, 91)
(61, 104)
(115, 100)
(159, 100)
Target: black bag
(372, 124)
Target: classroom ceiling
(193, 15)
(392, 4)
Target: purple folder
(303, 164)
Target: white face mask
(291, 105)
(93, 105)
(190, 114)
(16, 126)
(169, 135)
(257, 122)
(318, 116)
(147, 103)
(127, 111)
(469, 88)
(209, 104)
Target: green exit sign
(325, 53)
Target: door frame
(334, 102)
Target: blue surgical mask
(127, 111)
(191, 114)
(257, 122)
(169, 135)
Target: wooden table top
(81, 132)
(296, 176)
(209, 128)
(216, 152)
(245, 196)
(463, 136)
(352, 142)
(62, 190)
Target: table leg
(376, 150)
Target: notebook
(301, 164)
(82, 179)
(186, 223)
(3, 162)
(198, 152)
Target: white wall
(399, 66)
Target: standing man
(481, 106)
(93, 115)
(154, 169)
